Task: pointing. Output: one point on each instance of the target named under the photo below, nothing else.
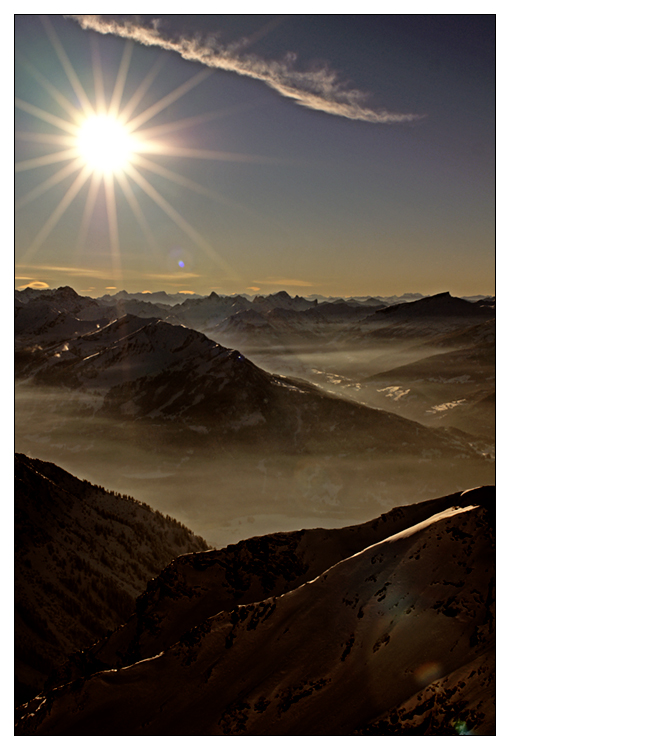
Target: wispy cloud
(71, 271)
(284, 282)
(97, 274)
(317, 89)
(170, 276)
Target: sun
(105, 144)
(105, 141)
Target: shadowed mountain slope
(438, 305)
(82, 556)
(404, 625)
(194, 587)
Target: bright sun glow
(104, 144)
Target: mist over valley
(158, 410)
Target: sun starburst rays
(91, 200)
(70, 194)
(104, 144)
(80, 93)
(53, 180)
(159, 106)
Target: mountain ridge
(82, 556)
(194, 587)
(331, 656)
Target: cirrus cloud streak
(282, 282)
(315, 89)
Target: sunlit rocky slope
(383, 628)
(82, 556)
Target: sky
(337, 155)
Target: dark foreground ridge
(82, 556)
(385, 627)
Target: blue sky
(328, 154)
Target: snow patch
(394, 392)
(445, 407)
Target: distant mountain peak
(66, 291)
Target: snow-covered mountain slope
(149, 369)
(44, 317)
(58, 315)
(454, 387)
(82, 556)
(402, 629)
(461, 703)
(194, 587)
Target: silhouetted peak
(67, 292)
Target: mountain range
(153, 408)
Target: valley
(316, 423)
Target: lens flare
(462, 729)
(427, 673)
